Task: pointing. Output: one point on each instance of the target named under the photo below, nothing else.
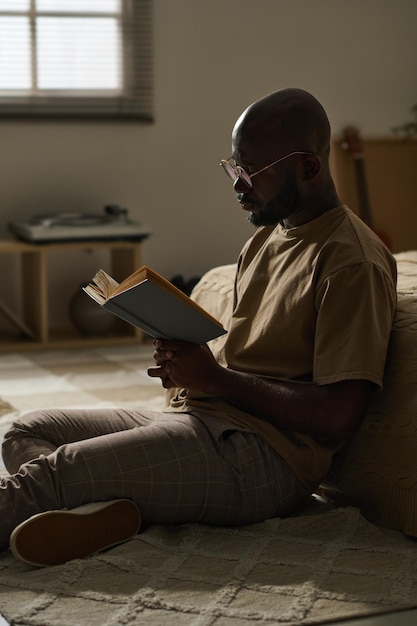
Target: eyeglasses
(236, 171)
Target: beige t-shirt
(312, 304)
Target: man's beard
(282, 207)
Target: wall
(212, 58)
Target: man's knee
(19, 442)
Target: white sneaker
(56, 537)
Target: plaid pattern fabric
(177, 468)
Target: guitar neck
(353, 143)
(364, 205)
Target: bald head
(284, 121)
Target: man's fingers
(162, 371)
(163, 355)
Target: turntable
(112, 224)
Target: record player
(112, 224)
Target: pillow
(377, 470)
(214, 292)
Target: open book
(153, 304)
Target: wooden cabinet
(125, 257)
(390, 167)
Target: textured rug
(321, 565)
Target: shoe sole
(55, 537)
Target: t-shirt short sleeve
(355, 308)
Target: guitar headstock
(352, 141)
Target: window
(76, 58)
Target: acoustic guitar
(353, 143)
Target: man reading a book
(253, 422)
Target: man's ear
(312, 167)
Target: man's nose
(240, 186)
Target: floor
(401, 618)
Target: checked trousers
(177, 467)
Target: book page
(101, 287)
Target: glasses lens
(230, 170)
(235, 171)
(244, 176)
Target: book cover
(150, 302)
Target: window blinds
(76, 58)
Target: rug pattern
(317, 566)
(76, 378)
